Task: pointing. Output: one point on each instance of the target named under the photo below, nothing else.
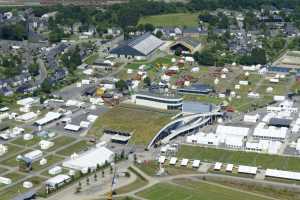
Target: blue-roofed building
(279, 69)
(200, 89)
(140, 47)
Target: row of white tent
(253, 170)
(183, 162)
(241, 168)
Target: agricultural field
(196, 190)
(172, 20)
(240, 157)
(130, 118)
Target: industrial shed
(140, 47)
(277, 122)
(186, 45)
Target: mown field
(240, 157)
(143, 122)
(195, 190)
(171, 20)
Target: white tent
(196, 163)
(90, 159)
(173, 161)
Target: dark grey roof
(190, 41)
(27, 195)
(158, 94)
(191, 30)
(280, 122)
(197, 88)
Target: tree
(46, 86)
(95, 177)
(121, 85)
(135, 158)
(111, 169)
(147, 81)
(149, 27)
(34, 69)
(205, 58)
(159, 34)
(250, 20)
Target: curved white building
(157, 100)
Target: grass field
(17, 189)
(51, 159)
(91, 59)
(143, 122)
(265, 190)
(12, 150)
(77, 147)
(187, 189)
(162, 61)
(27, 143)
(152, 167)
(138, 183)
(177, 19)
(61, 141)
(240, 157)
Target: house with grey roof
(141, 47)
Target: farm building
(140, 47)
(186, 45)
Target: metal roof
(280, 122)
(139, 46)
(196, 107)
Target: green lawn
(51, 160)
(130, 118)
(15, 176)
(61, 141)
(138, 183)
(3, 170)
(15, 190)
(12, 150)
(265, 190)
(91, 59)
(151, 168)
(77, 147)
(177, 19)
(11, 161)
(194, 190)
(240, 157)
(27, 143)
(166, 61)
